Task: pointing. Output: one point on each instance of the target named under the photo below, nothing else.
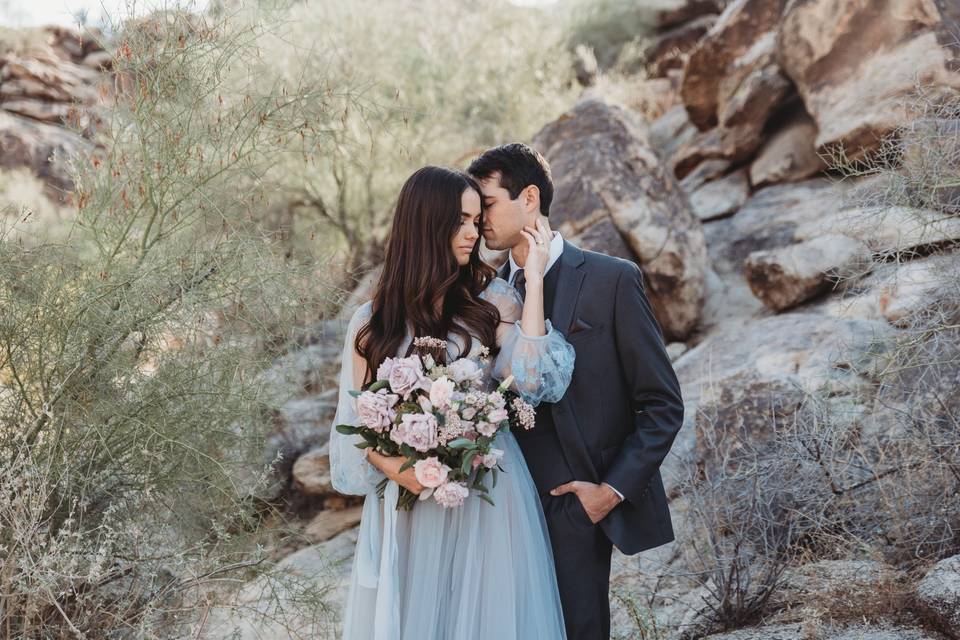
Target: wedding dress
(466, 573)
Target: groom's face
(503, 217)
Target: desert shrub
(445, 80)
(133, 412)
(615, 30)
(913, 182)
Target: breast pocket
(585, 335)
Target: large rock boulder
(874, 632)
(43, 148)
(938, 593)
(301, 596)
(837, 590)
(745, 376)
(670, 49)
(613, 195)
(855, 63)
(670, 13)
(768, 632)
(734, 37)
(783, 278)
(789, 154)
(772, 218)
(721, 197)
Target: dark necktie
(520, 283)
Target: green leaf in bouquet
(408, 464)
(355, 393)
(369, 437)
(408, 407)
(347, 429)
(468, 461)
(364, 445)
(493, 472)
(486, 498)
(479, 486)
(460, 443)
(379, 384)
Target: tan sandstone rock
(854, 62)
(605, 171)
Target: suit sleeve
(652, 384)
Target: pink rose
(430, 472)
(496, 416)
(495, 399)
(376, 409)
(484, 428)
(464, 369)
(491, 459)
(425, 404)
(383, 371)
(441, 392)
(419, 430)
(468, 413)
(406, 374)
(451, 494)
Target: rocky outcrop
(715, 66)
(41, 147)
(855, 63)
(613, 195)
(789, 154)
(721, 197)
(783, 278)
(53, 97)
(938, 593)
(771, 632)
(301, 596)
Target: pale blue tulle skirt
(468, 573)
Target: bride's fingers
(538, 236)
(543, 230)
(531, 239)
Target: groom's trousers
(581, 550)
(581, 553)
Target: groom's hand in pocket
(597, 499)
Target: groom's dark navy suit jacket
(623, 408)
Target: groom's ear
(530, 197)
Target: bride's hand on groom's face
(390, 465)
(538, 249)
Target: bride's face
(468, 233)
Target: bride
(476, 571)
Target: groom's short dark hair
(519, 167)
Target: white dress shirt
(556, 250)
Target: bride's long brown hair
(422, 286)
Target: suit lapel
(568, 287)
(569, 283)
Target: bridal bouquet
(442, 419)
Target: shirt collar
(556, 249)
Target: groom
(595, 455)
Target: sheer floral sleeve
(541, 365)
(350, 473)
